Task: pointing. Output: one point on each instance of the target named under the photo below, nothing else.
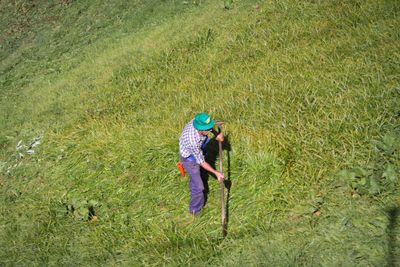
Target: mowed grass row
(306, 90)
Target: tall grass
(309, 93)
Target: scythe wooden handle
(223, 213)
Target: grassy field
(94, 95)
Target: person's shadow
(211, 157)
(393, 248)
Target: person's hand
(220, 177)
(220, 137)
(219, 123)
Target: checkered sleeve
(197, 152)
(190, 143)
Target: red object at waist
(181, 169)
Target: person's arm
(208, 168)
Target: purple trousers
(196, 185)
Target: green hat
(203, 122)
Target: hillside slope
(94, 95)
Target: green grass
(309, 91)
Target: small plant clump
(83, 210)
(380, 176)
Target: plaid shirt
(190, 143)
